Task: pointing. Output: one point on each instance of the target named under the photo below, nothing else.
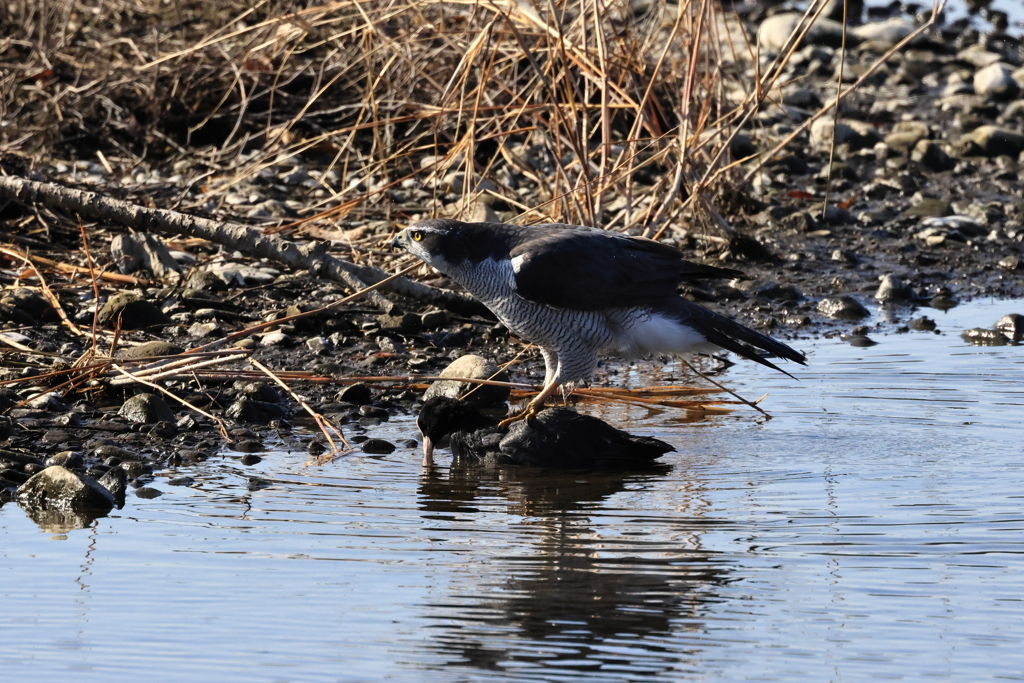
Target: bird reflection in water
(584, 585)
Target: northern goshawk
(576, 292)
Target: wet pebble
(374, 412)
(471, 367)
(148, 492)
(131, 312)
(69, 459)
(378, 446)
(58, 488)
(922, 324)
(250, 459)
(892, 288)
(181, 481)
(1010, 263)
(248, 446)
(842, 308)
(979, 336)
(115, 480)
(358, 394)
(1012, 326)
(146, 409)
(996, 81)
(259, 412)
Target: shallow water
(872, 530)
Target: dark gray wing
(588, 269)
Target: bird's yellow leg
(532, 408)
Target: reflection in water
(582, 598)
(60, 521)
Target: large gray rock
(58, 488)
(132, 312)
(146, 409)
(843, 307)
(857, 134)
(996, 82)
(471, 367)
(142, 251)
(774, 32)
(991, 141)
(883, 33)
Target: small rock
(433, 320)
(471, 367)
(774, 32)
(146, 409)
(374, 411)
(115, 480)
(927, 208)
(923, 324)
(885, 34)
(147, 492)
(259, 412)
(58, 488)
(979, 336)
(406, 323)
(893, 289)
(378, 446)
(978, 56)
(358, 394)
(276, 338)
(1009, 263)
(842, 307)
(248, 446)
(932, 156)
(250, 460)
(131, 312)
(151, 349)
(991, 141)
(142, 251)
(181, 481)
(1012, 326)
(25, 307)
(67, 459)
(996, 82)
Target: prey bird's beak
(428, 451)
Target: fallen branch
(249, 241)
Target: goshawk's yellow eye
(417, 236)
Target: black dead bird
(555, 438)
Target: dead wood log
(249, 241)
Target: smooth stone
(58, 488)
(147, 492)
(932, 156)
(774, 32)
(258, 412)
(893, 288)
(1012, 326)
(358, 394)
(374, 411)
(996, 82)
(248, 446)
(856, 134)
(378, 447)
(923, 324)
(1009, 263)
(843, 307)
(131, 312)
(146, 409)
(978, 56)
(471, 367)
(151, 349)
(991, 141)
(276, 338)
(883, 33)
(979, 336)
(115, 480)
(68, 459)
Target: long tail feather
(732, 336)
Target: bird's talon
(527, 414)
